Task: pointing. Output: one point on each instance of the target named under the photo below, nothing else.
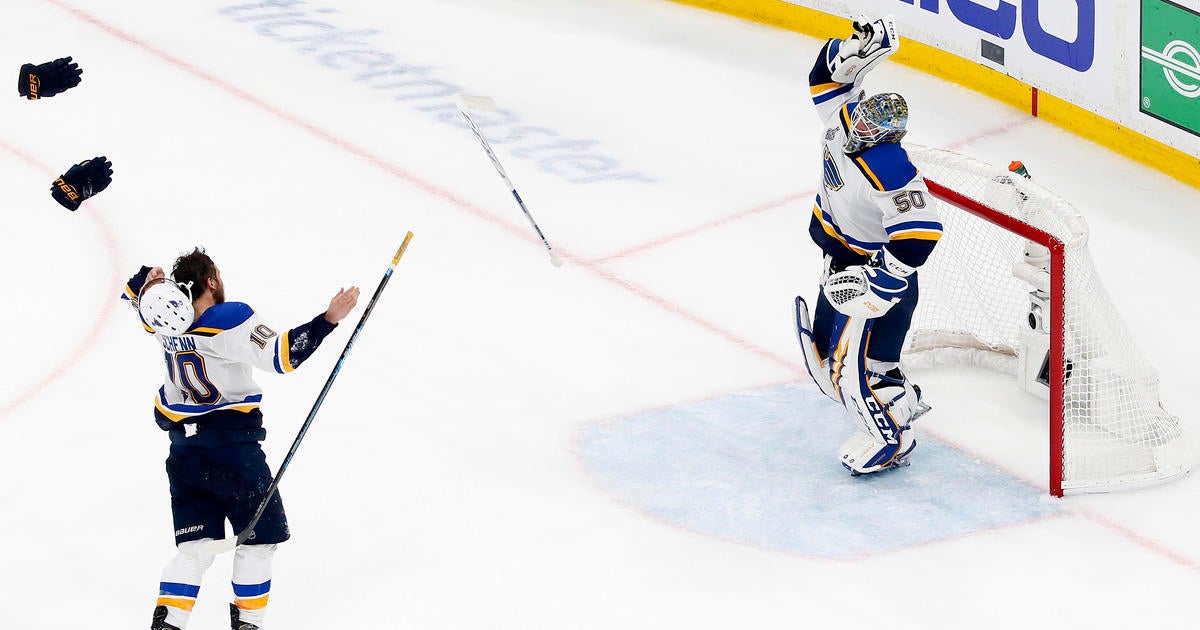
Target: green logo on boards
(1171, 64)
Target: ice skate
(235, 621)
(159, 621)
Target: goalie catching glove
(48, 79)
(82, 181)
(870, 44)
(870, 290)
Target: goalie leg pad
(848, 347)
(862, 454)
(883, 403)
(818, 368)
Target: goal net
(990, 297)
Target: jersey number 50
(908, 200)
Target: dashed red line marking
(703, 227)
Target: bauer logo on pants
(1170, 64)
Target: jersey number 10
(186, 369)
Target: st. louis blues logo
(833, 179)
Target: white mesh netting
(973, 309)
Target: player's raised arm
(133, 288)
(134, 285)
(261, 346)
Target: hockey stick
(227, 544)
(484, 103)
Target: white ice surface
(442, 484)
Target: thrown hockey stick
(227, 544)
(484, 103)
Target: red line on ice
(94, 213)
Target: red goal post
(1108, 430)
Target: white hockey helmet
(877, 119)
(166, 307)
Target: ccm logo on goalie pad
(887, 429)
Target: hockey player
(875, 227)
(209, 406)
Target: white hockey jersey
(210, 366)
(209, 397)
(871, 198)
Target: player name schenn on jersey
(178, 344)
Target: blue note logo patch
(833, 178)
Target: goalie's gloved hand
(869, 290)
(866, 38)
(47, 79)
(871, 42)
(82, 181)
(862, 25)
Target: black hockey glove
(82, 181)
(48, 79)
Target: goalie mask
(166, 307)
(877, 119)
